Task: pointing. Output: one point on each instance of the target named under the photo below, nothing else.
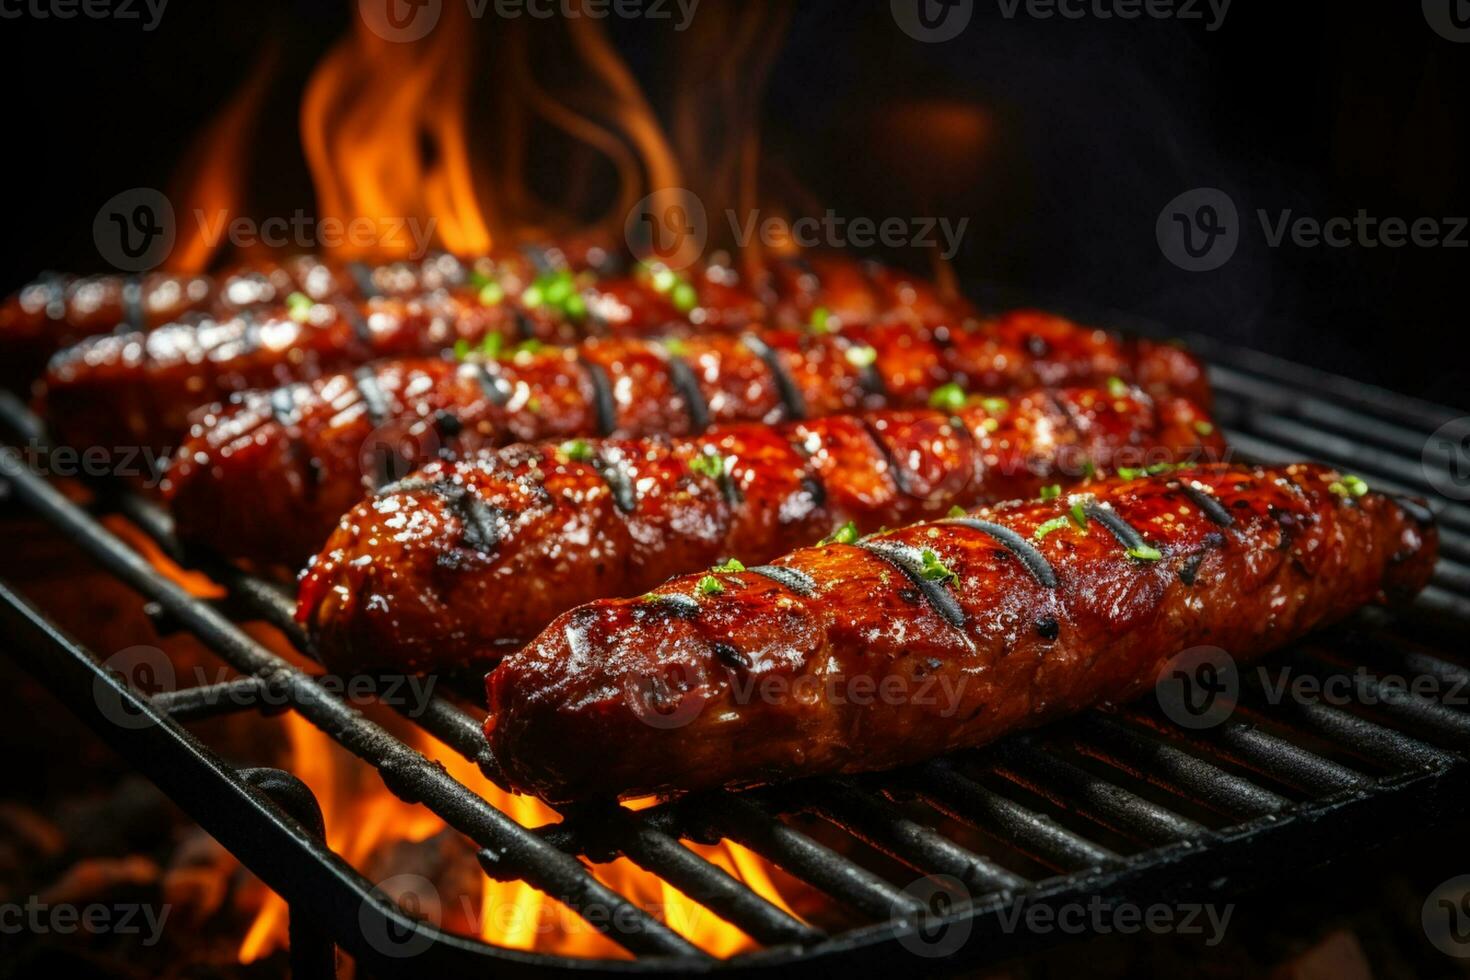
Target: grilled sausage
(967, 629)
(242, 327)
(297, 459)
(420, 576)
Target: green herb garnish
(298, 307)
(1204, 428)
(710, 464)
(492, 294)
(709, 585)
(576, 450)
(729, 568)
(1055, 524)
(949, 398)
(935, 570)
(1079, 516)
(862, 356)
(1145, 552)
(995, 405)
(1052, 492)
(846, 534)
(957, 511)
(684, 297)
(822, 320)
(1117, 387)
(1348, 486)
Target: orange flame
(362, 816)
(212, 177)
(383, 126)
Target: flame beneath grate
(364, 820)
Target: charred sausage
(296, 459)
(466, 559)
(1023, 613)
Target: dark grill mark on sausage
(815, 489)
(540, 256)
(602, 396)
(1207, 504)
(448, 423)
(1417, 511)
(359, 324)
(371, 394)
(132, 294)
(909, 563)
(799, 582)
(687, 385)
(283, 405)
(730, 656)
(1034, 560)
(899, 475)
(496, 388)
(615, 474)
(1189, 571)
(1126, 533)
(525, 326)
(1048, 628)
(362, 276)
(791, 398)
(479, 519)
(870, 379)
(55, 284)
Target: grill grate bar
(406, 772)
(1036, 835)
(1240, 740)
(1170, 768)
(751, 825)
(216, 700)
(1070, 786)
(881, 824)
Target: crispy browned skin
(292, 462)
(683, 689)
(118, 389)
(466, 559)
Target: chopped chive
(575, 307)
(1145, 552)
(1348, 486)
(957, 511)
(533, 296)
(558, 288)
(461, 349)
(684, 297)
(576, 450)
(1051, 492)
(492, 294)
(1204, 428)
(846, 534)
(675, 346)
(491, 346)
(711, 465)
(862, 356)
(950, 398)
(1055, 524)
(479, 280)
(1088, 469)
(822, 320)
(729, 568)
(990, 425)
(709, 585)
(1117, 387)
(935, 570)
(298, 307)
(995, 405)
(528, 346)
(1079, 516)
(1129, 473)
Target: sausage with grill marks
(466, 559)
(903, 646)
(296, 461)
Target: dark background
(1092, 126)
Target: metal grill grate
(1123, 805)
